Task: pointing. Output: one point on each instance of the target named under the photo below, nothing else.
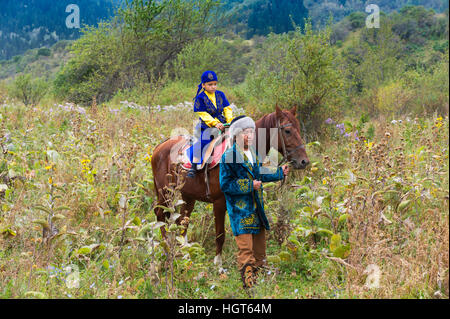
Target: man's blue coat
(244, 204)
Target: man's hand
(285, 169)
(256, 185)
(220, 126)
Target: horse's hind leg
(219, 218)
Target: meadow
(369, 218)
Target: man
(241, 177)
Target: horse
(290, 144)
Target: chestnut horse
(290, 145)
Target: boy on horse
(214, 111)
(241, 175)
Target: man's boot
(248, 276)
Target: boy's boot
(192, 171)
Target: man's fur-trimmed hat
(241, 123)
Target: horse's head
(290, 142)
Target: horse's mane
(270, 120)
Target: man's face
(249, 136)
(210, 87)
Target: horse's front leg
(219, 219)
(186, 210)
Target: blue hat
(207, 76)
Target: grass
(381, 202)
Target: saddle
(213, 152)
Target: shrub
(27, 90)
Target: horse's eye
(288, 131)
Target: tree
(140, 45)
(299, 69)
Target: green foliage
(44, 52)
(299, 69)
(139, 46)
(228, 58)
(27, 90)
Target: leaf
(105, 264)
(180, 202)
(403, 205)
(342, 218)
(315, 143)
(58, 216)
(306, 180)
(137, 221)
(335, 242)
(8, 232)
(324, 231)
(168, 209)
(284, 256)
(273, 259)
(43, 223)
(45, 209)
(174, 217)
(342, 251)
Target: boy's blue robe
(244, 204)
(204, 104)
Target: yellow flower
(49, 167)
(324, 181)
(148, 158)
(50, 180)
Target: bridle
(286, 153)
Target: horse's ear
(278, 111)
(293, 110)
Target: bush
(27, 90)
(44, 52)
(298, 70)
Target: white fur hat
(241, 123)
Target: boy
(213, 110)
(241, 175)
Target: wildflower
(212, 287)
(120, 282)
(50, 180)
(119, 297)
(295, 291)
(49, 167)
(324, 181)
(329, 121)
(393, 122)
(197, 289)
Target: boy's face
(210, 87)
